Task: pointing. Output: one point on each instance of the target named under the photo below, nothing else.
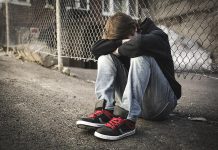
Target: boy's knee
(106, 62)
(141, 60)
(104, 58)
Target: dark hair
(119, 26)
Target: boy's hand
(116, 52)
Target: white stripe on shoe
(89, 124)
(109, 137)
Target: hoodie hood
(147, 26)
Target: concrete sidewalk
(39, 108)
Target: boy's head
(119, 26)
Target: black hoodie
(151, 41)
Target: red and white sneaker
(117, 128)
(95, 120)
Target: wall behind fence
(190, 25)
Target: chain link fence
(190, 25)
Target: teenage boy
(139, 68)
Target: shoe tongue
(100, 104)
(120, 112)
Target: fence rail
(68, 28)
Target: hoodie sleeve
(154, 44)
(105, 46)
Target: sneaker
(116, 129)
(95, 120)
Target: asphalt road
(39, 108)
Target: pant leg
(138, 78)
(111, 77)
(159, 99)
(147, 92)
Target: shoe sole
(88, 125)
(113, 138)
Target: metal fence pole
(58, 24)
(7, 26)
